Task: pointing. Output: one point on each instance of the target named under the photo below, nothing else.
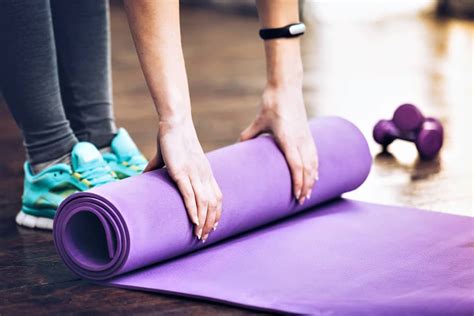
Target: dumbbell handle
(411, 136)
(386, 131)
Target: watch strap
(291, 30)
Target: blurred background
(361, 58)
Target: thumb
(156, 162)
(250, 132)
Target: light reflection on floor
(363, 68)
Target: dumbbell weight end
(384, 132)
(430, 139)
(408, 118)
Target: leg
(81, 29)
(29, 80)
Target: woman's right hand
(180, 151)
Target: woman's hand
(179, 149)
(283, 114)
(156, 32)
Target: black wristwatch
(291, 30)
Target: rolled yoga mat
(330, 256)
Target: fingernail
(301, 201)
(196, 221)
(215, 226)
(205, 238)
(199, 234)
(298, 193)
(317, 177)
(308, 196)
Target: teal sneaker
(43, 192)
(125, 159)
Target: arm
(156, 33)
(282, 110)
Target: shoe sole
(32, 221)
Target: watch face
(297, 29)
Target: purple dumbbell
(409, 124)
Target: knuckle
(219, 197)
(208, 226)
(187, 194)
(191, 210)
(292, 158)
(297, 166)
(202, 202)
(178, 176)
(297, 184)
(315, 164)
(297, 177)
(213, 205)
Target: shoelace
(136, 162)
(95, 173)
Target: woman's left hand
(283, 114)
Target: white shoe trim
(32, 221)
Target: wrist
(275, 99)
(174, 112)
(175, 116)
(285, 82)
(284, 65)
(175, 119)
(173, 108)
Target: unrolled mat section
(328, 256)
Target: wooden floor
(355, 67)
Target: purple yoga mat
(331, 256)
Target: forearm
(155, 29)
(283, 56)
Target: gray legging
(55, 73)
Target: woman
(156, 32)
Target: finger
(155, 163)
(316, 165)
(201, 203)
(218, 193)
(250, 132)
(187, 192)
(152, 164)
(211, 213)
(296, 168)
(308, 176)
